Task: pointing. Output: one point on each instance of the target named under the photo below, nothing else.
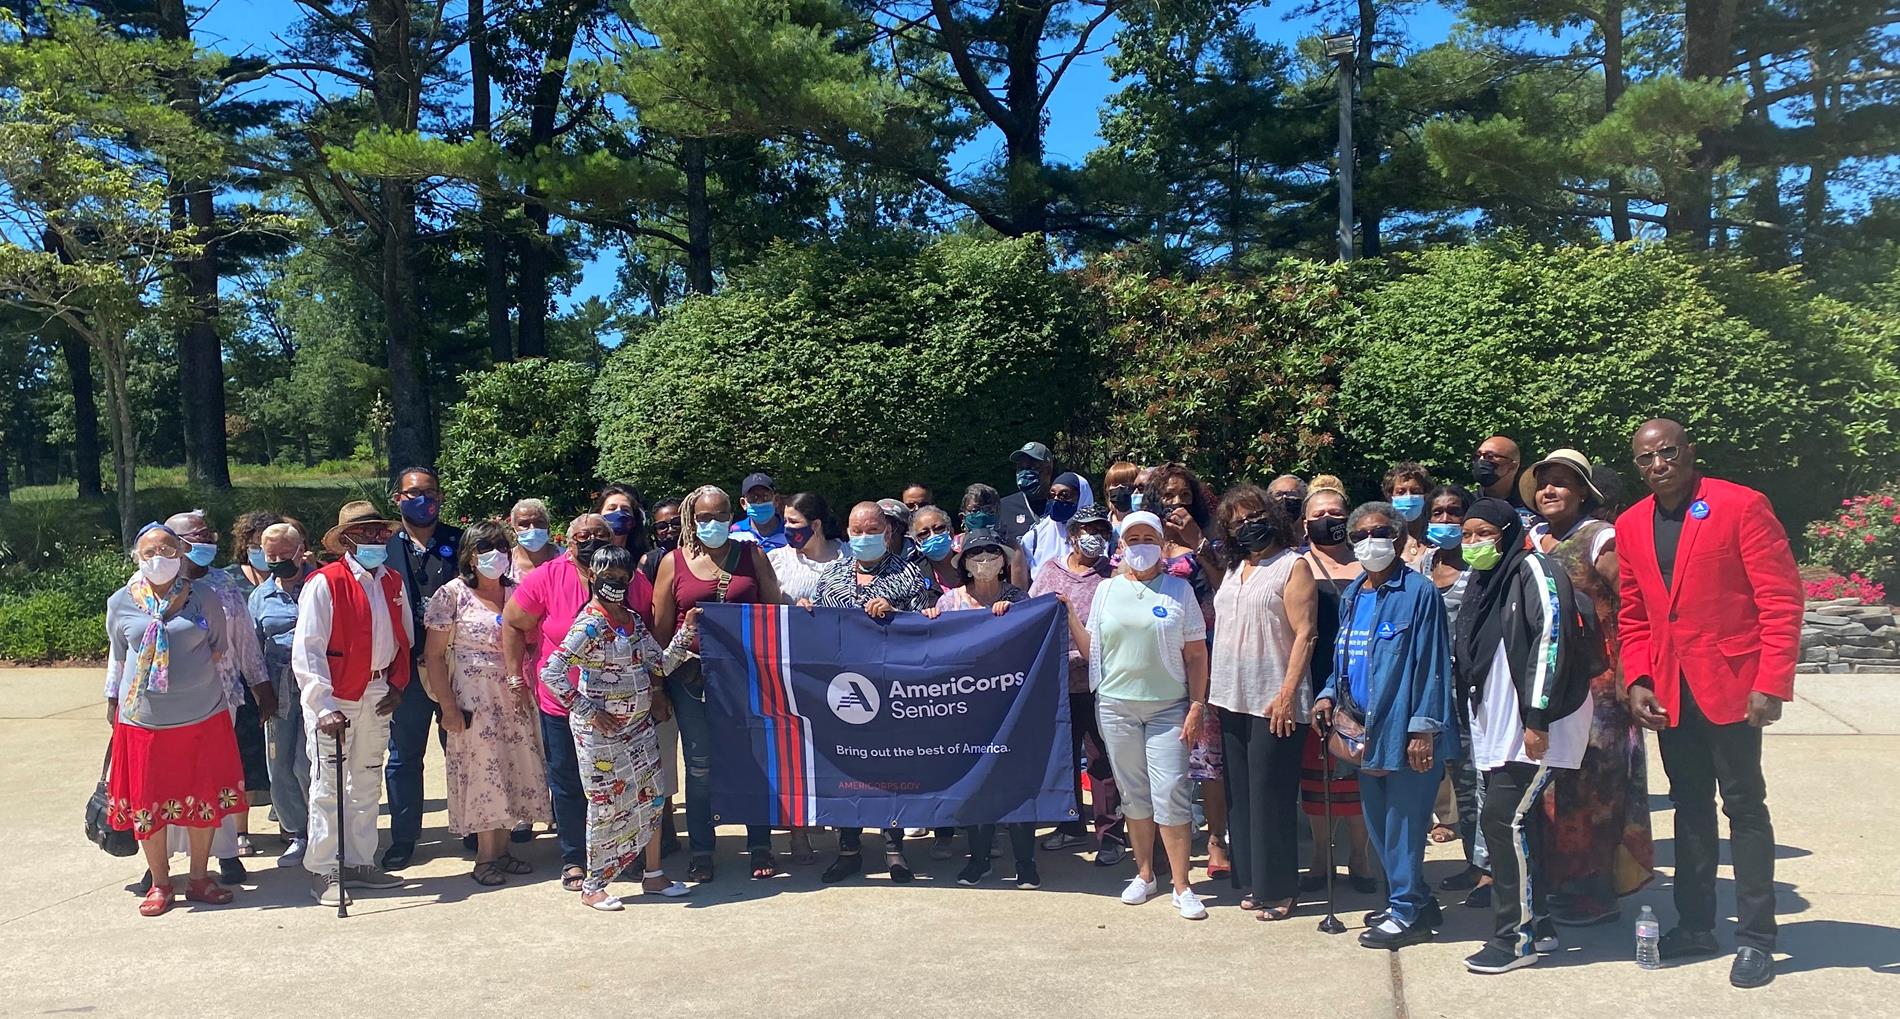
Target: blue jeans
(289, 768)
(564, 783)
(696, 747)
(402, 773)
(1398, 810)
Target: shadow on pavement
(1839, 944)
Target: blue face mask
(534, 539)
(760, 513)
(1060, 511)
(1411, 507)
(258, 560)
(1445, 535)
(1029, 482)
(935, 547)
(202, 554)
(712, 533)
(867, 548)
(370, 556)
(619, 521)
(1134, 502)
(420, 510)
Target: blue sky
(249, 26)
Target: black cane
(342, 892)
(1331, 924)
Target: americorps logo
(853, 698)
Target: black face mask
(284, 569)
(1254, 533)
(1484, 472)
(585, 548)
(611, 591)
(1291, 504)
(1326, 531)
(1121, 497)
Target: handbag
(692, 678)
(1346, 737)
(99, 831)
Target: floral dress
(497, 774)
(1599, 844)
(620, 770)
(1204, 757)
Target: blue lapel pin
(1699, 509)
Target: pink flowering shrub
(1853, 586)
(1860, 545)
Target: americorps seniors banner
(829, 717)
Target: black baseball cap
(1033, 451)
(757, 479)
(1088, 513)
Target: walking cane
(342, 893)
(1331, 924)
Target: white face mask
(1142, 558)
(492, 564)
(1375, 554)
(985, 567)
(159, 569)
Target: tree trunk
(113, 350)
(1367, 138)
(85, 414)
(200, 350)
(535, 248)
(699, 271)
(398, 101)
(1707, 53)
(1613, 87)
(501, 341)
(1022, 134)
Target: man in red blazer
(1711, 629)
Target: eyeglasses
(1064, 497)
(416, 493)
(1667, 454)
(161, 552)
(665, 526)
(1497, 458)
(924, 532)
(707, 518)
(1371, 532)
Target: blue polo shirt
(742, 530)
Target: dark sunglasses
(491, 546)
(1372, 532)
(666, 525)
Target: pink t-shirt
(554, 591)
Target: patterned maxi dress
(1599, 846)
(620, 771)
(497, 773)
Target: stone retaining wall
(1845, 636)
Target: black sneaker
(974, 872)
(398, 855)
(1544, 936)
(1492, 959)
(231, 871)
(843, 867)
(1685, 944)
(1378, 938)
(1480, 898)
(899, 869)
(1027, 876)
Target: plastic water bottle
(1648, 934)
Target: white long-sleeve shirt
(310, 643)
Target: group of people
(1440, 662)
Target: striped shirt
(897, 581)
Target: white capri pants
(1143, 740)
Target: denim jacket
(1408, 669)
(274, 612)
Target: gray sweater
(196, 635)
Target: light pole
(1341, 48)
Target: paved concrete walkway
(73, 942)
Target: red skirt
(189, 776)
(1314, 761)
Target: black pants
(1022, 842)
(1263, 805)
(849, 839)
(1514, 831)
(1700, 756)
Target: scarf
(1481, 619)
(152, 672)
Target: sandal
(508, 863)
(488, 874)
(1442, 833)
(571, 878)
(1249, 904)
(1280, 911)
(803, 854)
(208, 891)
(157, 901)
(244, 846)
(700, 870)
(763, 865)
(605, 903)
(656, 883)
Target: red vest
(350, 641)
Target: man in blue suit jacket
(424, 555)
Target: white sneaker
(916, 833)
(293, 856)
(1139, 891)
(1190, 906)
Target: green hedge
(851, 376)
(523, 429)
(59, 613)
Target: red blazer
(1731, 621)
